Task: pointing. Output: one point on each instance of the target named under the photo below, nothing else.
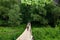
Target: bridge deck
(27, 34)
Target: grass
(39, 33)
(46, 33)
(10, 33)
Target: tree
(56, 15)
(52, 14)
(9, 11)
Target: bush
(45, 12)
(9, 13)
(53, 13)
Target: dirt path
(27, 34)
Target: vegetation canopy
(15, 12)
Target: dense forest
(44, 16)
(39, 12)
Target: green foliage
(46, 33)
(3, 15)
(11, 33)
(14, 16)
(39, 17)
(26, 12)
(33, 11)
(53, 14)
(39, 33)
(56, 14)
(9, 12)
(14, 12)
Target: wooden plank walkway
(27, 34)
